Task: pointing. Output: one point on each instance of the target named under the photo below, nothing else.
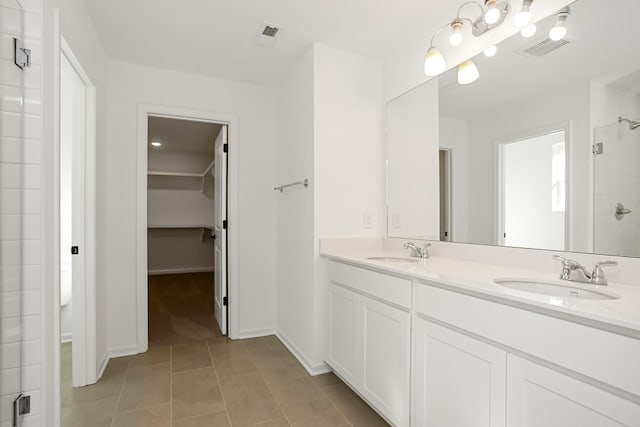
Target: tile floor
(208, 380)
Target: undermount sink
(391, 259)
(554, 289)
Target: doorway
(445, 194)
(77, 220)
(532, 190)
(186, 250)
(212, 181)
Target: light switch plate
(367, 220)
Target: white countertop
(619, 315)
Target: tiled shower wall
(20, 248)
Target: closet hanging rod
(282, 187)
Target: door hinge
(598, 148)
(75, 250)
(225, 148)
(225, 301)
(21, 406)
(224, 224)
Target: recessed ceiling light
(156, 143)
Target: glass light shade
(558, 32)
(491, 51)
(529, 31)
(492, 15)
(434, 63)
(467, 72)
(522, 19)
(455, 39)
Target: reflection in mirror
(518, 167)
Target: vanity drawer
(394, 290)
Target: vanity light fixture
(488, 15)
(491, 51)
(559, 31)
(467, 72)
(529, 31)
(523, 18)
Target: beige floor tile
(326, 380)
(217, 419)
(109, 385)
(248, 400)
(314, 413)
(296, 390)
(155, 355)
(274, 423)
(232, 359)
(268, 352)
(195, 393)
(145, 386)
(94, 413)
(214, 342)
(156, 416)
(357, 412)
(190, 356)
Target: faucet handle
(597, 277)
(566, 262)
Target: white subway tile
(15, 202)
(20, 100)
(14, 76)
(6, 49)
(30, 352)
(10, 278)
(11, 355)
(31, 252)
(11, 330)
(30, 328)
(31, 277)
(31, 202)
(30, 303)
(16, 125)
(19, 23)
(10, 253)
(10, 382)
(32, 421)
(31, 177)
(10, 227)
(10, 175)
(31, 227)
(31, 377)
(11, 304)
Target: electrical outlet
(367, 220)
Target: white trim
(160, 272)
(312, 368)
(66, 337)
(84, 356)
(144, 111)
(103, 365)
(256, 333)
(127, 350)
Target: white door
(220, 230)
(385, 380)
(458, 381)
(539, 396)
(345, 334)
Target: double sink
(540, 287)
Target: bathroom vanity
(437, 342)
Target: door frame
(499, 176)
(84, 327)
(142, 307)
(448, 189)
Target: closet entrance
(186, 229)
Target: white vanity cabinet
(458, 380)
(369, 337)
(539, 396)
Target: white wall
(21, 290)
(179, 208)
(131, 85)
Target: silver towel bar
(282, 187)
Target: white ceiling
(183, 136)
(218, 37)
(603, 47)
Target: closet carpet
(192, 376)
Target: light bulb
(467, 72)
(455, 39)
(434, 63)
(492, 15)
(491, 51)
(557, 33)
(523, 18)
(529, 31)
(156, 144)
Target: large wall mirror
(541, 151)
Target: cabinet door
(539, 396)
(345, 334)
(458, 381)
(386, 384)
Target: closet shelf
(168, 226)
(176, 174)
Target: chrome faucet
(416, 251)
(573, 271)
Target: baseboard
(159, 272)
(103, 366)
(312, 368)
(129, 350)
(256, 333)
(66, 337)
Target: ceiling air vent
(544, 48)
(270, 30)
